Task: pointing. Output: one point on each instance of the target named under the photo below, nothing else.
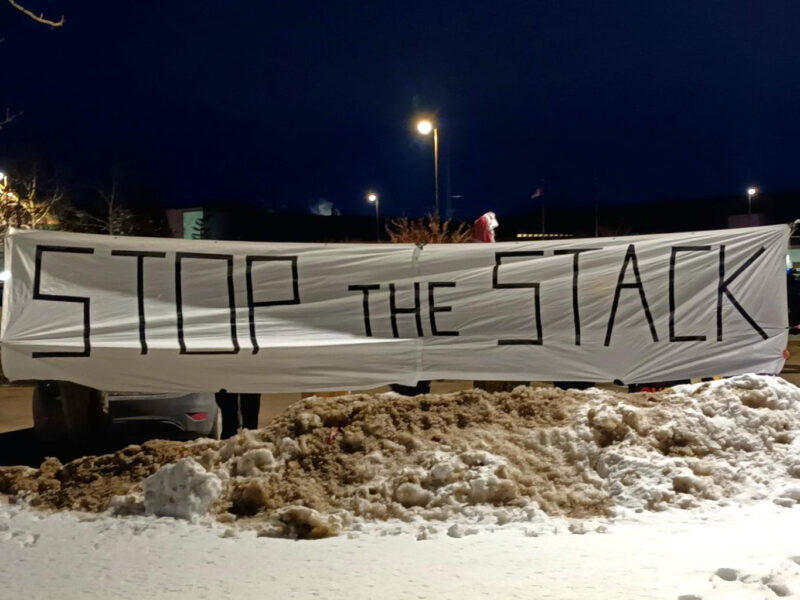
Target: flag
(538, 193)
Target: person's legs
(573, 385)
(229, 407)
(422, 387)
(250, 404)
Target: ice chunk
(184, 490)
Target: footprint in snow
(25, 539)
(727, 574)
(779, 588)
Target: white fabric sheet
(153, 314)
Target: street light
(751, 191)
(373, 197)
(425, 126)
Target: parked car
(187, 416)
(67, 412)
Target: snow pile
(184, 490)
(713, 441)
(431, 457)
(333, 464)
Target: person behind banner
(232, 405)
(483, 231)
(484, 226)
(793, 292)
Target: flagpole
(542, 214)
(539, 193)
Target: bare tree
(27, 207)
(109, 216)
(9, 117)
(40, 18)
(428, 230)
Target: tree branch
(8, 118)
(38, 18)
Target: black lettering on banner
(252, 304)
(38, 295)
(575, 270)
(498, 258)
(140, 256)
(672, 260)
(415, 310)
(433, 309)
(723, 289)
(179, 256)
(365, 303)
(630, 256)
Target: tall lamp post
(751, 191)
(373, 197)
(425, 127)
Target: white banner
(153, 314)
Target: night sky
(276, 104)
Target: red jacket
(483, 228)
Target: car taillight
(198, 416)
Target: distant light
(752, 191)
(4, 275)
(424, 127)
(544, 235)
(372, 197)
(2, 175)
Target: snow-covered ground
(732, 553)
(684, 495)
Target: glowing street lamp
(751, 191)
(425, 126)
(373, 197)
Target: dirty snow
(184, 490)
(533, 455)
(690, 493)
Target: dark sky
(278, 103)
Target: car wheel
(68, 412)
